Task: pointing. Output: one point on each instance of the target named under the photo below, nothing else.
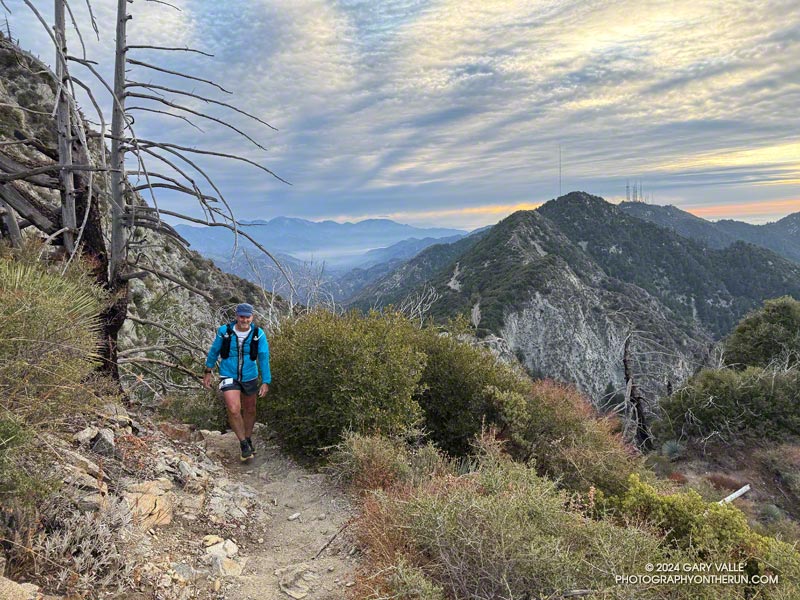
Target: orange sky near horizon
(772, 210)
(760, 211)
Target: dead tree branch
(132, 61)
(164, 112)
(152, 86)
(28, 173)
(186, 49)
(163, 363)
(148, 143)
(168, 330)
(171, 104)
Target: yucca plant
(49, 335)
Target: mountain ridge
(580, 265)
(781, 236)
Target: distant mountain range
(334, 260)
(782, 237)
(562, 287)
(337, 244)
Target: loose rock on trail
(300, 512)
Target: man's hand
(262, 391)
(207, 381)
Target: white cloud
(427, 105)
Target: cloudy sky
(454, 112)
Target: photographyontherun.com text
(696, 574)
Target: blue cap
(244, 310)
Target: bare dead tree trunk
(64, 131)
(118, 257)
(644, 439)
(9, 221)
(114, 316)
(80, 220)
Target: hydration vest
(225, 351)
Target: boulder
(103, 442)
(10, 590)
(85, 436)
(151, 503)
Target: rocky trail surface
(194, 522)
(295, 548)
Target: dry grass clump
(556, 427)
(375, 462)
(501, 531)
(81, 553)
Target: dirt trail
(303, 512)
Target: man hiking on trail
(243, 351)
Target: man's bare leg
(234, 407)
(248, 414)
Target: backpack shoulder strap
(225, 351)
(254, 342)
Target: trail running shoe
(247, 450)
(252, 445)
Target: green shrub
(770, 513)
(48, 343)
(672, 449)
(504, 532)
(463, 387)
(767, 336)
(339, 373)
(22, 471)
(380, 374)
(712, 531)
(724, 405)
(557, 428)
(687, 519)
